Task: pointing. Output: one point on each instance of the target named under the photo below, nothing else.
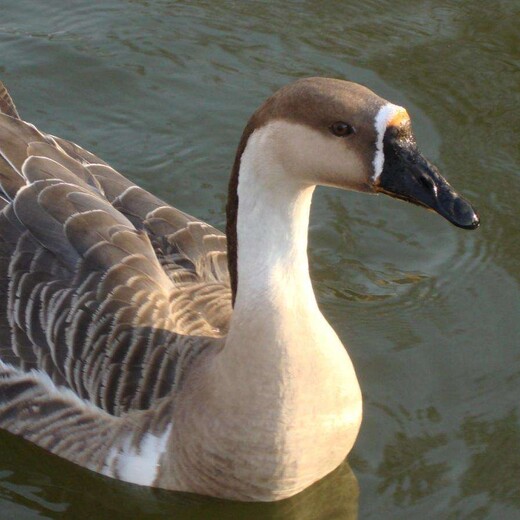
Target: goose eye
(342, 129)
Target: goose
(145, 345)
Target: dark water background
(162, 89)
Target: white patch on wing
(139, 464)
(383, 117)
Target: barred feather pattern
(107, 294)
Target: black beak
(409, 176)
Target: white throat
(276, 328)
(272, 228)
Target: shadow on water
(53, 488)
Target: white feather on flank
(133, 464)
(383, 117)
(137, 465)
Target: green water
(162, 89)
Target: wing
(104, 287)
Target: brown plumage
(103, 288)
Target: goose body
(141, 343)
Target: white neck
(272, 228)
(280, 354)
(281, 397)
(275, 301)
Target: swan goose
(138, 342)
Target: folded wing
(103, 287)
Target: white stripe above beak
(388, 114)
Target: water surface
(161, 90)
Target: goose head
(329, 132)
(338, 133)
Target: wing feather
(103, 287)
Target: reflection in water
(406, 470)
(411, 471)
(494, 470)
(55, 487)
